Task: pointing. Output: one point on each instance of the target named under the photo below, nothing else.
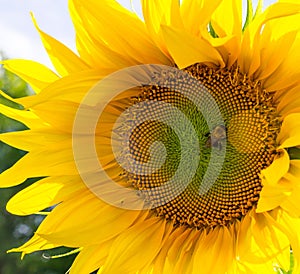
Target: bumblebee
(216, 137)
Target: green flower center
(248, 137)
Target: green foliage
(13, 85)
(249, 15)
(294, 153)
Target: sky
(18, 37)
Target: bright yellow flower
(243, 221)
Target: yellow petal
(272, 196)
(290, 227)
(133, 44)
(245, 243)
(128, 253)
(63, 59)
(275, 32)
(32, 139)
(289, 135)
(291, 204)
(289, 102)
(157, 13)
(271, 240)
(287, 74)
(250, 59)
(270, 59)
(295, 168)
(179, 256)
(86, 215)
(289, 1)
(280, 166)
(187, 50)
(64, 114)
(57, 161)
(34, 244)
(227, 18)
(174, 244)
(43, 194)
(90, 258)
(214, 252)
(190, 11)
(285, 193)
(95, 53)
(261, 245)
(277, 36)
(6, 96)
(28, 118)
(71, 88)
(161, 12)
(229, 47)
(36, 75)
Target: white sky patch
(18, 37)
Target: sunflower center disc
(249, 134)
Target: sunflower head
(169, 144)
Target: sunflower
(168, 144)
